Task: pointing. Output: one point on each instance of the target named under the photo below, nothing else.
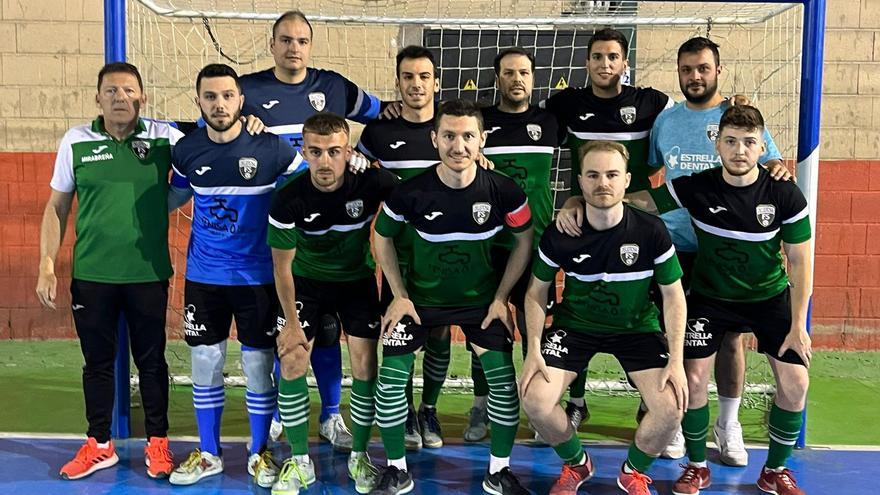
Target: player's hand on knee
(799, 341)
(485, 162)
(47, 286)
(397, 310)
(674, 376)
(290, 338)
(253, 124)
(533, 365)
(498, 310)
(358, 162)
(570, 217)
(392, 110)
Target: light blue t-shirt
(683, 141)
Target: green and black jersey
(627, 118)
(739, 231)
(401, 146)
(452, 232)
(329, 230)
(608, 274)
(522, 146)
(122, 190)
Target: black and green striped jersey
(452, 232)
(739, 231)
(329, 230)
(627, 118)
(399, 145)
(608, 274)
(522, 147)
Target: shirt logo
(312, 217)
(586, 116)
(765, 214)
(99, 149)
(493, 129)
(629, 253)
(141, 148)
(553, 344)
(717, 209)
(712, 132)
(628, 115)
(480, 212)
(318, 100)
(190, 326)
(247, 166)
(76, 307)
(202, 170)
(534, 131)
(354, 208)
(270, 104)
(581, 258)
(396, 145)
(433, 215)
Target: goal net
(171, 40)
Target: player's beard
(710, 88)
(218, 128)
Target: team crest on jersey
(765, 214)
(629, 253)
(628, 114)
(318, 100)
(247, 166)
(534, 131)
(354, 208)
(712, 132)
(481, 212)
(140, 148)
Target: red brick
(4, 198)
(873, 240)
(23, 261)
(849, 175)
(834, 206)
(829, 302)
(11, 230)
(875, 175)
(5, 333)
(28, 198)
(841, 238)
(866, 207)
(21, 293)
(863, 271)
(869, 302)
(861, 334)
(830, 271)
(10, 167)
(32, 230)
(827, 333)
(38, 167)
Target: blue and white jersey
(683, 141)
(232, 187)
(284, 107)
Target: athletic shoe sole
(109, 462)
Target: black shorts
(517, 297)
(407, 336)
(572, 350)
(356, 303)
(709, 319)
(209, 309)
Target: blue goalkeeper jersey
(232, 187)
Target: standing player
(521, 140)
(283, 97)
(454, 210)
(606, 308)
(229, 266)
(118, 169)
(403, 146)
(320, 225)
(742, 216)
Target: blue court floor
(30, 467)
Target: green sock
(481, 387)
(785, 427)
(503, 403)
(391, 404)
(695, 426)
(638, 460)
(293, 404)
(570, 451)
(577, 387)
(434, 369)
(363, 411)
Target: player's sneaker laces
(576, 414)
(362, 471)
(412, 437)
(393, 482)
(675, 449)
(432, 436)
(778, 482)
(572, 477)
(263, 468)
(730, 444)
(88, 459)
(333, 430)
(634, 483)
(294, 475)
(503, 483)
(158, 457)
(692, 480)
(198, 465)
(276, 429)
(478, 424)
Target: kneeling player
(606, 308)
(320, 225)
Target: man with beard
(229, 265)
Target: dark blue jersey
(232, 186)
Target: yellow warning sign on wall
(470, 84)
(561, 84)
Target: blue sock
(327, 366)
(208, 403)
(277, 373)
(260, 409)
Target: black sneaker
(412, 436)
(429, 425)
(576, 414)
(392, 482)
(503, 483)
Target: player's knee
(536, 405)
(364, 365)
(207, 364)
(258, 365)
(732, 344)
(294, 364)
(792, 391)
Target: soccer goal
(771, 52)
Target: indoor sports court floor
(30, 467)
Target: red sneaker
(634, 483)
(780, 482)
(158, 457)
(88, 459)
(692, 480)
(572, 477)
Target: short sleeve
(772, 152)
(544, 266)
(62, 176)
(392, 219)
(282, 222)
(795, 217)
(515, 204)
(179, 177)
(666, 266)
(289, 159)
(365, 143)
(360, 106)
(387, 183)
(655, 155)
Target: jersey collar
(98, 127)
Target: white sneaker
(197, 466)
(362, 471)
(334, 431)
(675, 449)
(263, 468)
(294, 476)
(276, 429)
(730, 444)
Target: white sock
(301, 459)
(728, 410)
(496, 464)
(355, 455)
(398, 463)
(427, 406)
(481, 401)
(577, 401)
(104, 445)
(700, 464)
